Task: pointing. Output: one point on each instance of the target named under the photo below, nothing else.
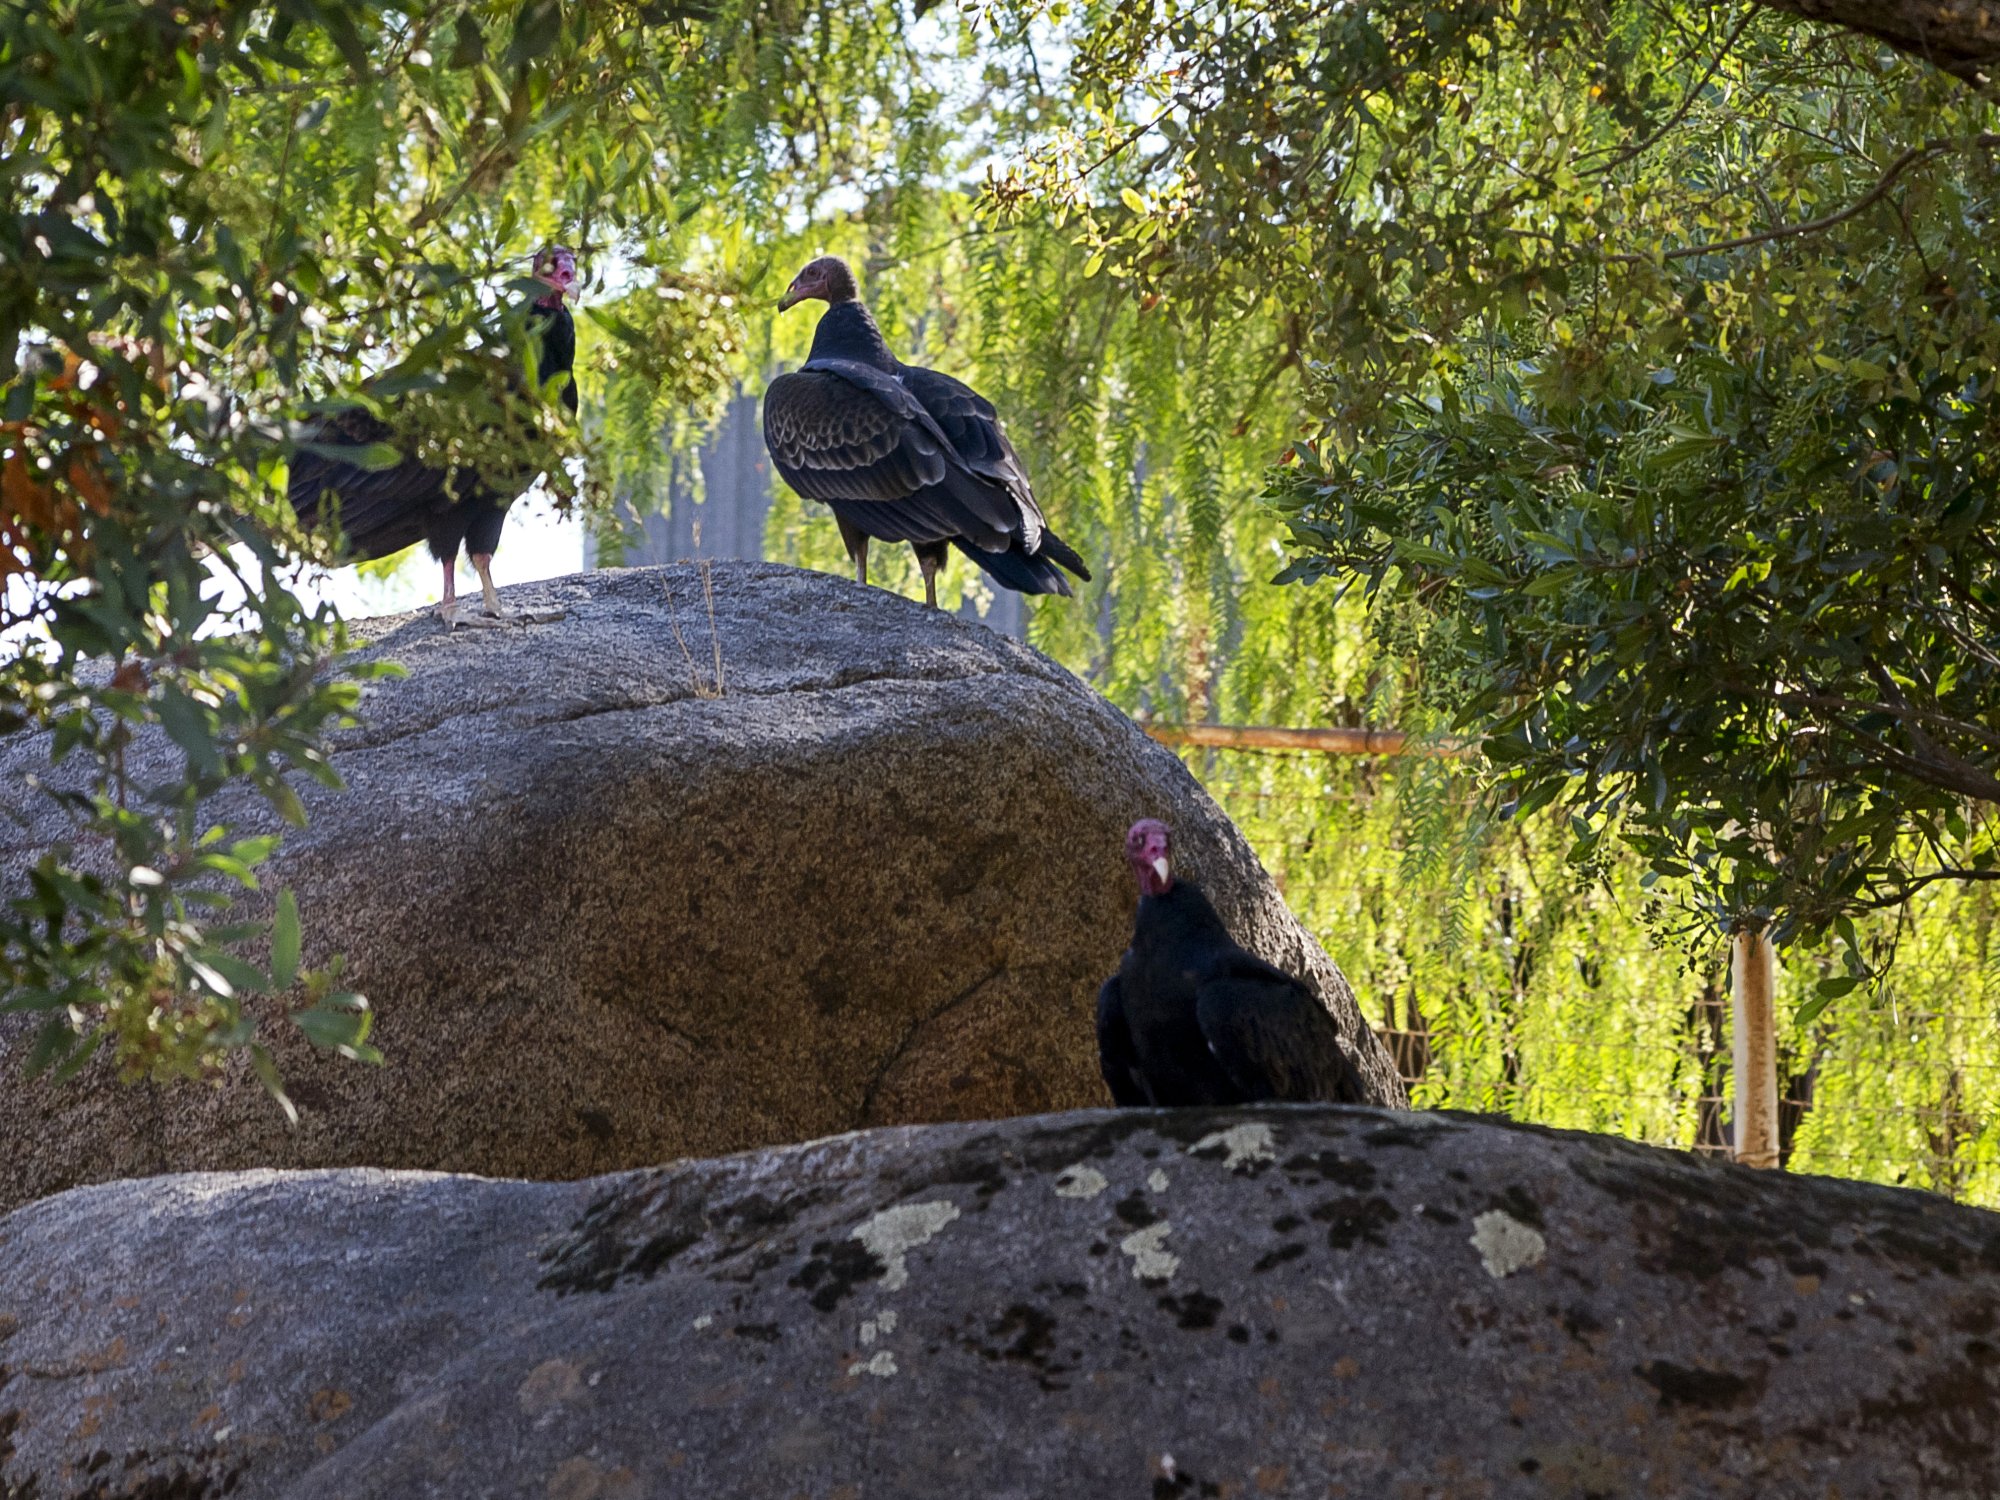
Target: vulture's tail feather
(1055, 547)
(1016, 570)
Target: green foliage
(1518, 288)
(1735, 616)
(1651, 356)
(219, 217)
(661, 376)
(1520, 985)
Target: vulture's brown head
(1146, 851)
(827, 278)
(555, 266)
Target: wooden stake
(1754, 973)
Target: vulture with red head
(900, 453)
(384, 510)
(1190, 1018)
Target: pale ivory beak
(1160, 867)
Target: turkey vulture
(385, 510)
(1190, 1018)
(903, 453)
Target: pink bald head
(555, 268)
(1146, 848)
(826, 279)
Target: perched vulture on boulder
(385, 510)
(1190, 1018)
(904, 454)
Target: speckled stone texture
(607, 921)
(1286, 1301)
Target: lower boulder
(1284, 1301)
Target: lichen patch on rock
(894, 1232)
(1243, 1148)
(1080, 1181)
(880, 1326)
(1505, 1244)
(1151, 1260)
(882, 1363)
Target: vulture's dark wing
(839, 430)
(381, 510)
(1271, 1035)
(971, 424)
(1115, 1055)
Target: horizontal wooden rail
(1276, 737)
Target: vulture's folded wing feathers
(831, 441)
(969, 422)
(1115, 1054)
(1271, 1034)
(926, 516)
(382, 510)
(973, 426)
(843, 430)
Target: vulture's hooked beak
(1159, 863)
(793, 296)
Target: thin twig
(1901, 164)
(488, 159)
(278, 197)
(1136, 133)
(1686, 104)
(714, 636)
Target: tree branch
(1834, 703)
(1926, 152)
(1686, 104)
(1943, 770)
(1905, 889)
(1962, 37)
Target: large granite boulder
(610, 918)
(1301, 1301)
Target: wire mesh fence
(1511, 984)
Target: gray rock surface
(1301, 1301)
(608, 921)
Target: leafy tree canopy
(1649, 355)
(219, 213)
(1617, 350)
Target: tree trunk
(1754, 964)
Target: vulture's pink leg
(447, 606)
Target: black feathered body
(385, 510)
(905, 454)
(1190, 1018)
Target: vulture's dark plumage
(385, 510)
(1190, 1018)
(904, 454)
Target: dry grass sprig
(703, 688)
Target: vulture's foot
(473, 613)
